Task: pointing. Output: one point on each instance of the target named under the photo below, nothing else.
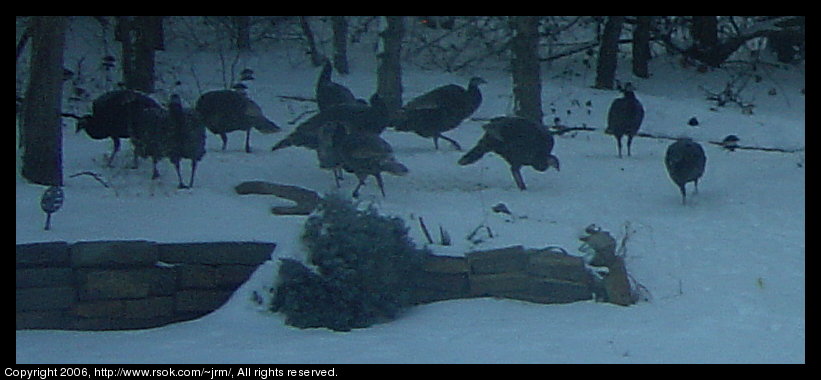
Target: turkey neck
(474, 97)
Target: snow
(726, 272)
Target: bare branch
(93, 175)
(425, 230)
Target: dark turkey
(371, 118)
(440, 110)
(625, 117)
(520, 142)
(685, 161)
(113, 115)
(330, 93)
(361, 153)
(328, 154)
(224, 111)
(176, 133)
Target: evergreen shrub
(366, 268)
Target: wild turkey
(328, 136)
(175, 133)
(440, 110)
(685, 161)
(361, 153)
(625, 117)
(356, 117)
(520, 141)
(330, 93)
(189, 138)
(224, 111)
(113, 115)
(371, 118)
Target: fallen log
(306, 200)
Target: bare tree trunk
(608, 53)
(340, 27)
(389, 71)
(705, 32)
(145, 47)
(711, 54)
(122, 33)
(138, 36)
(242, 28)
(527, 84)
(156, 29)
(641, 46)
(21, 44)
(316, 58)
(41, 133)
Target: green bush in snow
(366, 266)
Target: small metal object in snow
(592, 229)
(247, 74)
(693, 122)
(730, 142)
(501, 208)
(51, 201)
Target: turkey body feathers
(330, 93)
(175, 133)
(361, 153)
(225, 111)
(624, 118)
(371, 118)
(114, 115)
(685, 161)
(519, 141)
(440, 110)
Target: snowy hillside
(726, 272)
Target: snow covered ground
(726, 272)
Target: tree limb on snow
(306, 200)
(297, 98)
(94, 175)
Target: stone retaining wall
(535, 275)
(115, 285)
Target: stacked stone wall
(535, 275)
(116, 285)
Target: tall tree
(527, 84)
(242, 28)
(704, 30)
(389, 71)
(608, 53)
(340, 27)
(21, 43)
(140, 37)
(641, 46)
(789, 42)
(712, 51)
(316, 58)
(41, 133)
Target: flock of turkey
(345, 133)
